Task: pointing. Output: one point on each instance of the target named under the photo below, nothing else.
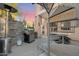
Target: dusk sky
(27, 10)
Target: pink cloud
(29, 15)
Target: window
(43, 32)
(38, 24)
(43, 27)
(53, 26)
(66, 25)
(53, 29)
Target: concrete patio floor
(30, 49)
(27, 49)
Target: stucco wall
(74, 13)
(75, 35)
(44, 23)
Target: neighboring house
(40, 23)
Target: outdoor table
(62, 36)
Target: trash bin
(28, 38)
(31, 37)
(5, 46)
(36, 35)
